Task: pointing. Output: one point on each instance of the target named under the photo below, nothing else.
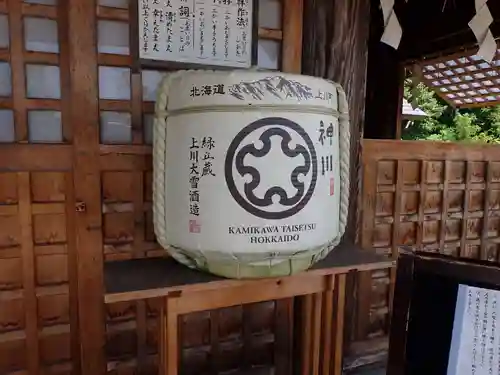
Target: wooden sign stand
(432, 315)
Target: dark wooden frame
(408, 264)
(400, 310)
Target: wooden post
(291, 54)
(85, 119)
(335, 46)
(385, 79)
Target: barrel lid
(189, 89)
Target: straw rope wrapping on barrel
(241, 265)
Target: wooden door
(75, 191)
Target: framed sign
(218, 33)
(445, 316)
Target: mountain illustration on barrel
(278, 86)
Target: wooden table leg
(327, 326)
(316, 323)
(169, 338)
(162, 339)
(306, 334)
(284, 334)
(338, 332)
(316, 339)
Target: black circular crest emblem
(307, 168)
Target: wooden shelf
(136, 279)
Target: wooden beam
(29, 282)
(376, 150)
(85, 117)
(292, 36)
(271, 34)
(32, 157)
(18, 70)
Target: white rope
(160, 165)
(344, 162)
(159, 182)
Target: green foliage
(444, 123)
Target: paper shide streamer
(392, 29)
(479, 24)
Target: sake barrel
(250, 170)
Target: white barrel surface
(247, 171)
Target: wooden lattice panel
(38, 309)
(436, 197)
(464, 80)
(438, 206)
(35, 308)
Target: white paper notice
(475, 343)
(209, 32)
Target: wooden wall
(75, 191)
(437, 197)
(38, 279)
